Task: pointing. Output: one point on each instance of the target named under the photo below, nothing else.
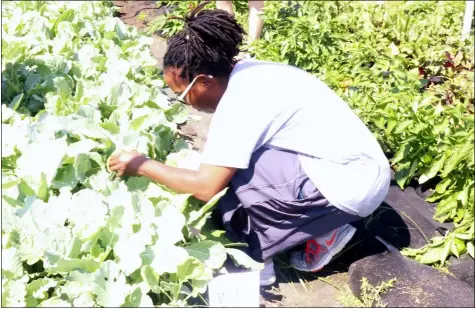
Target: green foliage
(402, 68)
(166, 26)
(77, 86)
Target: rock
(416, 285)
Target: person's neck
(223, 83)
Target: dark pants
(273, 206)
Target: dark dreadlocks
(207, 45)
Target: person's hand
(126, 163)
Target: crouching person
(299, 164)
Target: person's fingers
(115, 166)
(113, 160)
(121, 170)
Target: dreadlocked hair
(207, 45)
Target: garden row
(77, 84)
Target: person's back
(336, 149)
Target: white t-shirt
(283, 107)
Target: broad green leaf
(111, 127)
(128, 249)
(109, 285)
(458, 155)
(26, 190)
(192, 268)
(137, 299)
(82, 166)
(402, 126)
(200, 286)
(31, 302)
(445, 253)
(11, 263)
(147, 256)
(138, 183)
(169, 225)
(78, 283)
(405, 172)
(65, 177)
(14, 292)
(41, 158)
(38, 288)
(16, 102)
(441, 187)
(197, 218)
(242, 259)
(42, 192)
(432, 256)
(87, 213)
(400, 154)
(81, 147)
(457, 247)
(68, 265)
(32, 81)
(167, 258)
(66, 16)
(172, 288)
(436, 167)
(151, 278)
(211, 253)
(185, 158)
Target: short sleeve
(236, 131)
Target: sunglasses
(181, 97)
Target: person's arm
(203, 184)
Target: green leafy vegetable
(77, 87)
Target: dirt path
(294, 289)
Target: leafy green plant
(166, 25)
(76, 87)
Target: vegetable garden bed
(76, 86)
(80, 84)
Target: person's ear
(206, 81)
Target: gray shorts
(273, 206)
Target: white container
(235, 290)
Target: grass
(370, 295)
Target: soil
(293, 288)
